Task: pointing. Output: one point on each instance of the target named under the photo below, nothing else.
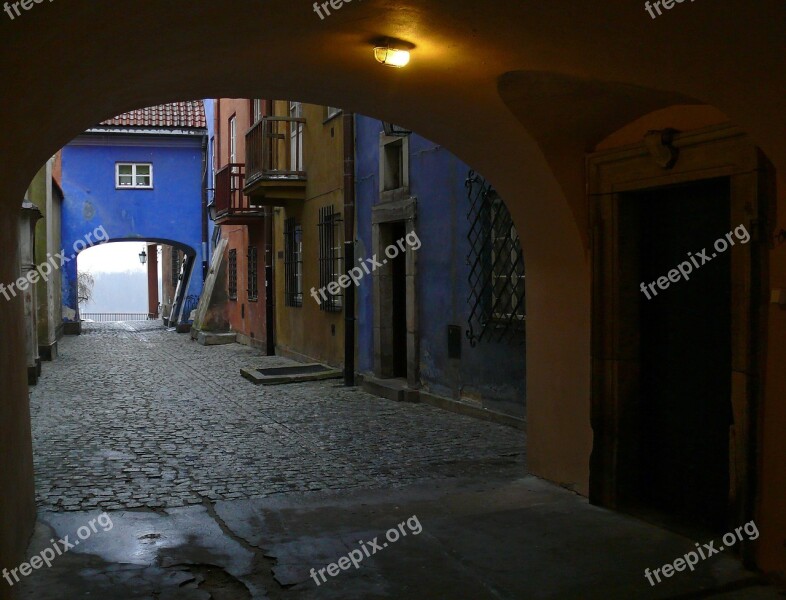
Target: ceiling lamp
(391, 57)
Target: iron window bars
(253, 273)
(331, 256)
(293, 262)
(175, 264)
(497, 289)
(232, 274)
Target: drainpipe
(349, 247)
(204, 208)
(270, 274)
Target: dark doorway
(685, 410)
(397, 231)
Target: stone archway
(457, 92)
(71, 316)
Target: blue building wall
(169, 213)
(493, 373)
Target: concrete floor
(220, 489)
(518, 539)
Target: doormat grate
(292, 374)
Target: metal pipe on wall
(349, 247)
(205, 227)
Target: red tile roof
(176, 115)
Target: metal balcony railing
(115, 317)
(229, 198)
(274, 150)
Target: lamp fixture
(143, 256)
(391, 57)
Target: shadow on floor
(525, 540)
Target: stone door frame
(713, 152)
(396, 211)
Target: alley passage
(132, 416)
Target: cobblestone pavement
(132, 415)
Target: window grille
(497, 277)
(331, 257)
(253, 273)
(232, 274)
(293, 262)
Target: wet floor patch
(176, 553)
(213, 582)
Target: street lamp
(143, 256)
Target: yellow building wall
(307, 332)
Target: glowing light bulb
(392, 57)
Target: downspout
(270, 274)
(349, 247)
(204, 208)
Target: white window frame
(257, 110)
(233, 139)
(296, 136)
(134, 185)
(331, 112)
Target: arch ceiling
(506, 86)
(67, 65)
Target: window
(331, 257)
(497, 277)
(507, 267)
(175, 267)
(133, 176)
(233, 139)
(256, 110)
(232, 277)
(296, 137)
(253, 273)
(293, 262)
(331, 111)
(393, 164)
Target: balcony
(231, 205)
(274, 162)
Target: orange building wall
(246, 317)
(225, 109)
